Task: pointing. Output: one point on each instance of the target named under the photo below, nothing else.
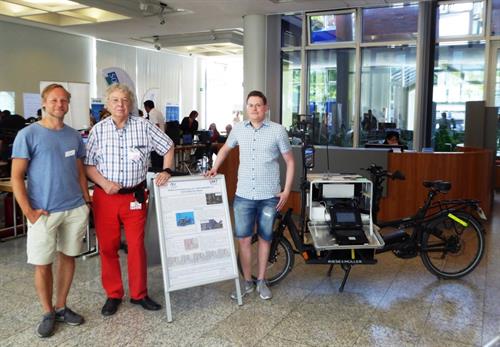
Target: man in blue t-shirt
(51, 154)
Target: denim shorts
(247, 213)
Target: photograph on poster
(214, 256)
(211, 224)
(191, 244)
(184, 218)
(213, 198)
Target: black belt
(140, 186)
(137, 190)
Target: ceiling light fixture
(156, 43)
(163, 13)
(162, 10)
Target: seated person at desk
(369, 121)
(223, 138)
(189, 125)
(214, 133)
(9, 126)
(392, 138)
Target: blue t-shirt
(53, 183)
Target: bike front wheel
(452, 245)
(279, 263)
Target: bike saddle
(440, 186)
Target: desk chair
(194, 163)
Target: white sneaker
(263, 290)
(246, 288)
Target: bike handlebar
(379, 172)
(398, 175)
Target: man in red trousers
(117, 161)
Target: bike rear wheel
(280, 260)
(452, 248)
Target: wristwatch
(167, 170)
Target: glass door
(494, 90)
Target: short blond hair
(51, 87)
(123, 88)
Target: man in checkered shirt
(117, 159)
(258, 194)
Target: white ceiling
(201, 16)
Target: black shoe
(147, 303)
(111, 306)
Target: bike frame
(422, 218)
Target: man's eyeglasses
(255, 105)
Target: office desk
(6, 186)
(185, 160)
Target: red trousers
(109, 211)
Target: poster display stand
(195, 234)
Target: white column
(254, 54)
(201, 93)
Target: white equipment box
(324, 188)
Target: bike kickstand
(347, 270)
(329, 273)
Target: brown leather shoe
(147, 303)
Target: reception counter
(469, 171)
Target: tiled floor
(394, 303)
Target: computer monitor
(203, 136)
(187, 139)
(391, 148)
(385, 126)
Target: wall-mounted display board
(195, 234)
(31, 103)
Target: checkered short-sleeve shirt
(122, 155)
(260, 149)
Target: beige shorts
(58, 232)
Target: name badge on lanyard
(134, 205)
(134, 154)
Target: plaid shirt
(260, 149)
(122, 155)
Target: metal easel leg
(168, 307)
(329, 273)
(347, 270)
(91, 251)
(238, 291)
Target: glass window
(291, 31)
(8, 101)
(388, 78)
(458, 77)
(497, 80)
(460, 19)
(331, 28)
(395, 23)
(495, 18)
(331, 95)
(497, 98)
(290, 88)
